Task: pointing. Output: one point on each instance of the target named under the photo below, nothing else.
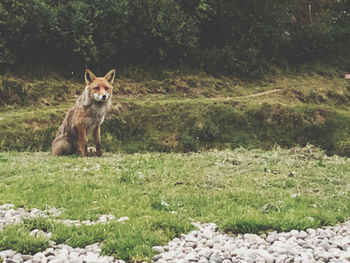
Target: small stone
(57, 260)
(325, 244)
(298, 259)
(205, 252)
(52, 243)
(9, 260)
(311, 231)
(229, 246)
(157, 257)
(158, 249)
(169, 255)
(250, 237)
(207, 234)
(34, 232)
(325, 255)
(191, 257)
(272, 237)
(346, 247)
(91, 257)
(210, 243)
(190, 238)
(281, 259)
(39, 255)
(123, 219)
(54, 211)
(181, 260)
(287, 235)
(27, 257)
(8, 253)
(306, 256)
(187, 250)
(49, 252)
(176, 240)
(203, 260)
(181, 255)
(7, 206)
(216, 257)
(108, 259)
(302, 235)
(190, 244)
(64, 252)
(50, 258)
(266, 255)
(18, 257)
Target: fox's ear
(89, 76)
(110, 76)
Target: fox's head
(100, 88)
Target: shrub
(246, 38)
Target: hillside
(181, 113)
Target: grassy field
(162, 193)
(240, 189)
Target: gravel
(206, 244)
(61, 254)
(55, 253)
(329, 244)
(10, 216)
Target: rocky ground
(330, 244)
(55, 253)
(60, 254)
(207, 244)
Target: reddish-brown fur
(85, 118)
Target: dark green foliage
(190, 142)
(314, 42)
(246, 38)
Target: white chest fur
(95, 118)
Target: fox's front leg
(82, 139)
(97, 140)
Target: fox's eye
(97, 88)
(106, 88)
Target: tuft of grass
(16, 237)
(162, 193)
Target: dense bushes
(241, 37)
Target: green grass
(181, 113)
(241, 190)
(162, 193)
(163, 114)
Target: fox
(84, 119)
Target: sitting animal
(85, 118)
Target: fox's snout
(100, 97)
